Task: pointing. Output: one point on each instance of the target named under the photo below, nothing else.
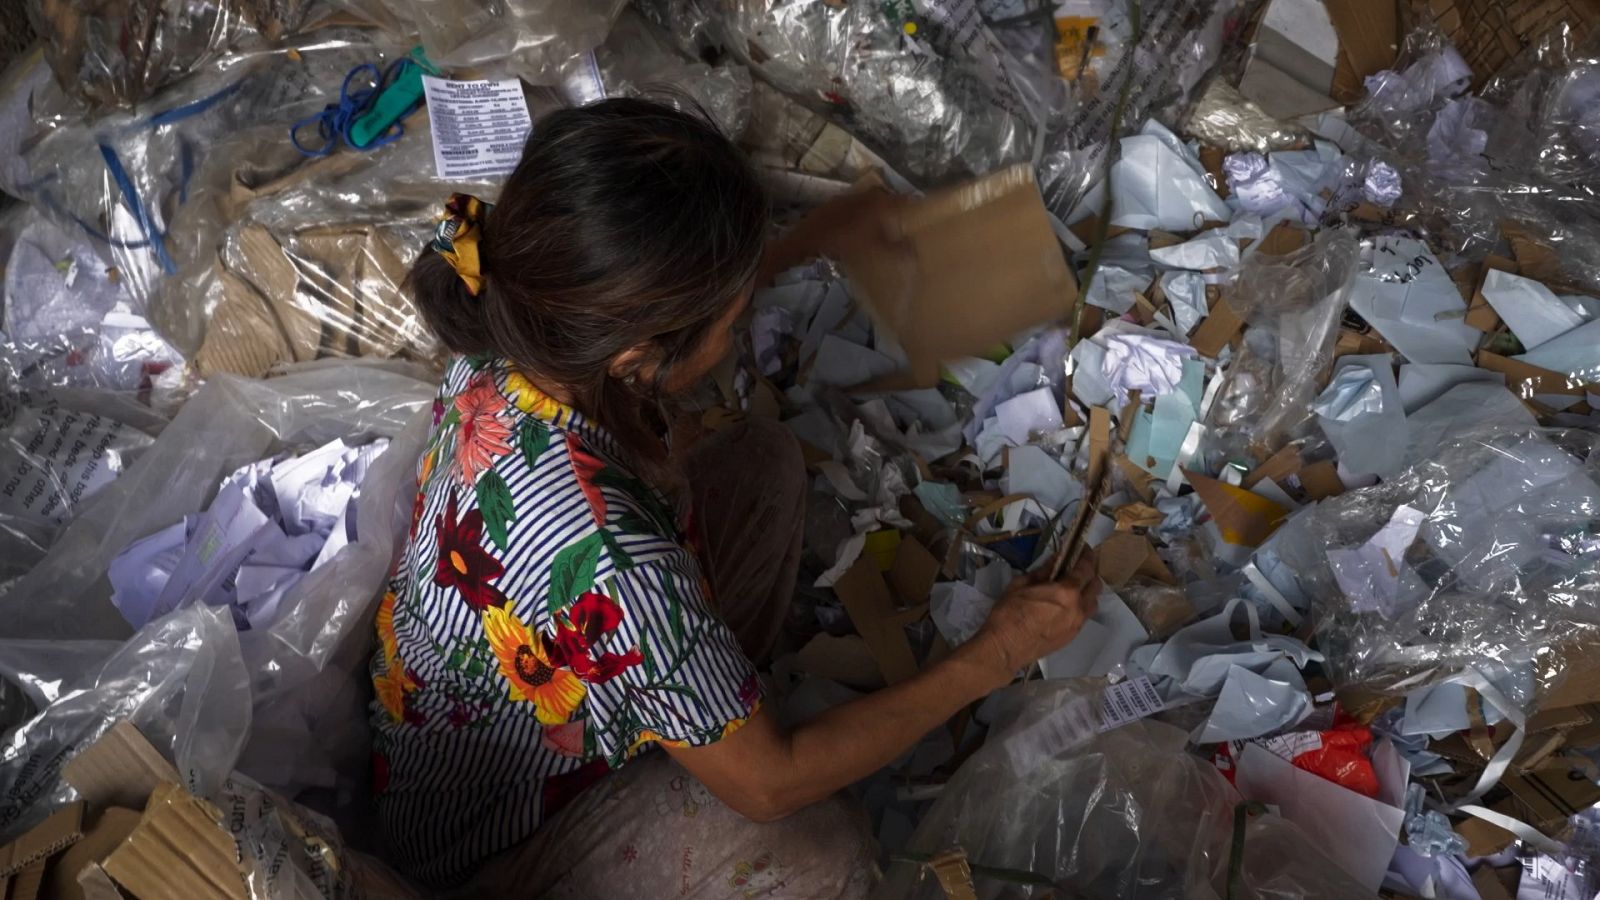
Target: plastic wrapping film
(68, 321)
(637, 60)
(927, 85)
(537, 36)
(1223, 117)
(1154, 56)
(57, 450)
(1293, 305)
(119, 52)
(295, 720)
(1127, 813)
(1514, 162)
(1481, 556)
(147, 187)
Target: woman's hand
(1037, 617)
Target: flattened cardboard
(1369, 33)
(28, 884)
(1123, 555)
(1073, 541)
(846, 660)
(179, 851)
(111, 827)
(982, 264)
(1218, 329)
(867, 599)
(913, 572)
(119, 769)
(1488, 884)
(1243, 517)
(1279, 466)
(62, 829)
(1284, 239)
(1321, 480)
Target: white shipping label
(1076, 722)
(478, 126)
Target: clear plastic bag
(1128, 813)
(149, 189)
(927, 85)
(304, 671)
(54, 457)
(636, 61)
(540, 34)
(1293, 306)
(1484, 556)
(1222, 117)
(119, 52)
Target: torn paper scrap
(1374, 576)
(1214, 249)
(1404, 293)
(1532, 311)
(1158, 183)
(1150, 365)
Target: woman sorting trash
(567, 698)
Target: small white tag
(1129, 700)
(1076, 722)
(478, 127)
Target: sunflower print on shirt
(546, 622)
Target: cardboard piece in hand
(978, 263)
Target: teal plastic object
(397, 101)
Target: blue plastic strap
(130, 195)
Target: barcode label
(1129, 700)
(1076, 722)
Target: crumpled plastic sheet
(895, 75)
(637, 61)
(293, 694)
(1223, 117)
(537, 36)
(1483, 555)
(150, 189)
(57, 450)
(1514, 161)
(1129, 813)
(119, 52)
(1293, 305)
(1179, 43)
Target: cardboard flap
(179, 851)
(62, 829)
(978, 264)
(119, 769)
(871, 607)
(1242, 517)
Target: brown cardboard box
(178, 851)
(60, 830)
(981, 264)
(1489, 33)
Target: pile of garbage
(1289, 311)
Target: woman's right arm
(766, 773)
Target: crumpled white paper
(1152, 366)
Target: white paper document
(478, 127)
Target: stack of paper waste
(1298, 331)
(270, 523)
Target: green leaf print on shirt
(494, 499)
(533, 437)
(572, 571)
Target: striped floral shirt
(546, 622)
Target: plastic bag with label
(1128, 813)
(1293, 305)
(1482, 556)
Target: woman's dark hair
(626, 223)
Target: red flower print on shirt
(579, 628)
(463, 563)
(587, 466)
(485, 436)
